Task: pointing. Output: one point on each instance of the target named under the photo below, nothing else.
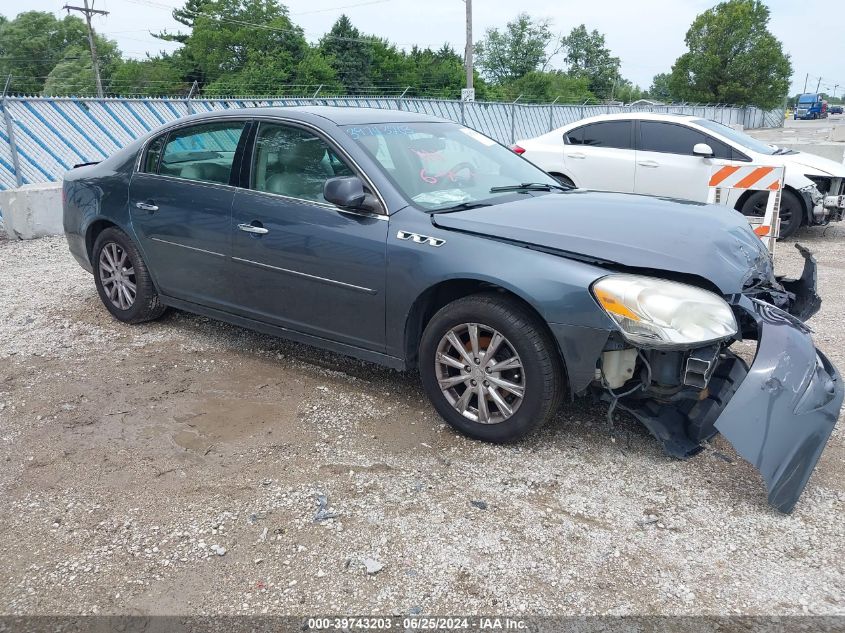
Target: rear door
(601, 155)
(666, 165)
(181, 203)
(299, 261)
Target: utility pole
(818, 84)
(469, 93)
(806, 77)
(88, 12)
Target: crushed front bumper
(778, 413)
(784, 411)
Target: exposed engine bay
(685, 396)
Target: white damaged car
(672, 155)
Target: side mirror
(345, 191)
(703, 150)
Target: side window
(723, 150)
(202, 152)
(153, 155)
(615, 134)
(574, 137)
(669, 138)
(720, 150)
(293, 162)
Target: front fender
(557, 288)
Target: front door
(299, 261)
(666, 165)
(180, 203)
(600, 156)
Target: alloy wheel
(759, 210)
(480, 373)
(117, 276)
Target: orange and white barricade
(756, 178)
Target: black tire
(146, 305)
(791, 210)
(564, 180)
(541, 366)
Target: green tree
(74, 73)
(660, 90)
(588, 56)
(505, 56)
(732, 58)
(350, 54)
(626, 91)
(438, 73)
(185, 16)
(544, 87)
(154, 76)
(33, 43)
(245, 46)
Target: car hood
(711, 242)
(806, 163)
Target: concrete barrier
(32, 211)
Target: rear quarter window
(613, 134)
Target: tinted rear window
(616, 134)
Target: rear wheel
(123, 280)
(490, 368)
(791, 210)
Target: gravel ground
(187, 466)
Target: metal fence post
(552, 114)
(188, 104)
(10, 132)
(513, 119)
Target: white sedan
(672, 155)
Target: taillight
(516, 149)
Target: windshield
(737, 137)
(441, 165)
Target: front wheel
(791, 210)
(490, 367)
(123, 280)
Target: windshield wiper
(463, 206)
(529, 186)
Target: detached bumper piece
(778, 413)
(804, 301)
(784, 411)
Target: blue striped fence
(42, 137)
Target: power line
(346, 6)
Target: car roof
(642, 116)
(332, 114)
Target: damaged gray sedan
(409, 241)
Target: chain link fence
(42, 137)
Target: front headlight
(658, 313)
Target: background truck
(810, 106)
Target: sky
(648, 35)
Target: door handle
(146, 206)
(578, 155)
(648, 163)
(256, 230)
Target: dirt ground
(178, 467)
